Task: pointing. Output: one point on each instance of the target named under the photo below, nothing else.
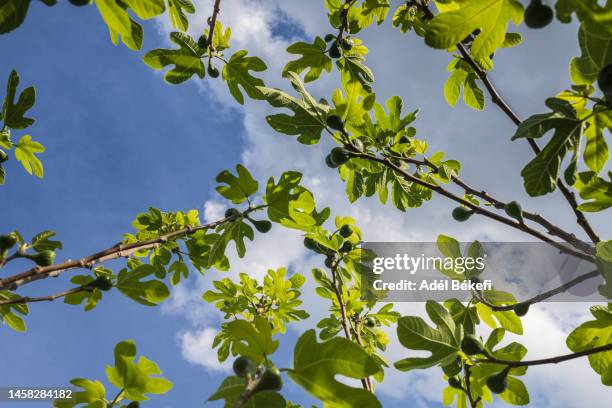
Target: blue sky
(120, 140)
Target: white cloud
(196, 348)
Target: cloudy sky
(120, 140)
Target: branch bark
(114, 252)
(50, 298)
(551, 360)
(501, 103)
(475, 208)
(542, 296)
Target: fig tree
(538, 14)
(3, 156)
(7, 241)
(346, 247)
(521, 309)
(329, 261)
(514, 210)
(329, 162)
(270, 380)
(462, 214)
(455, 382)
(335, 122)
(346, 231)
(346, 44)
(262, 226)
(232, 212)
(340, 155)
(498, 382)
(243, 366)
(212, 71)
(104, 283)
(42, 258)
(334, 50)
(310, 244)
(203, 41)
(604, 80)
(80, 2)
(471, 345)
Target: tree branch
(552, 229)
(344, 321)
(475, 208)
(551, 360)
(50, 298)
(541, 296)
(501, 103)
(114, 252)
(211, 24)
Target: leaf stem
(50, 298)
(551, 360)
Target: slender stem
(552, 229)
(114, 252)
(544, 295)
(9, 259)
(501, 103)
(475, 208)
(50, 298)
(211, 25)
(551, 360)
(116, 399)
(468, 387)
(342, 306)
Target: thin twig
(551, 360)
(114, 252)
(344, 319)
(476, 208)
(211, 25)
(552, 229)
(503, 105)
(541, 296)
(50, 298)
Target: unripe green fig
(514, 210)
(133, 404)
(604, 80)
(330, 37)
(232, 212)
(3, 156)
(346, 247)
(521, 309)
(334, 50)
(471, 345)
(262, 226)
(538, 14)
(7, 241)
(203, 41)
(270, 380)
(346, 231)
(454, 382)
(340, 155)
(329, 162)
(335, 122)
(370, 322)
(104, 283)
(329, 261)
(79, 2)
(43, 258)
(404, 140)
(310, 244)
(212, 71)
(462, 214)
(243, 366)
(347, 45)
(498, 383)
